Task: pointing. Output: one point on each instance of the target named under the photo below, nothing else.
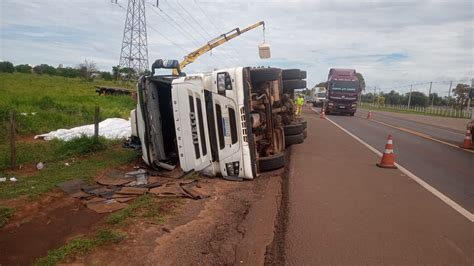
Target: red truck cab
(343, 90)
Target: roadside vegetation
(80, 246)
(5, 214)
(44, 103)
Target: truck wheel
(305, 124)
(293, 129)
(271, 162)
(293, 84)
(291, 74)
(305, 133)
(302, 74)
(264, 74)
(351, 114)
(294, 139)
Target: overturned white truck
(230, 122)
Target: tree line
(459, 99)
(87, 70)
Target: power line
(194, 29)
(218, 30)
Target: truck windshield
(343, 85)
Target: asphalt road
(343, 210)
(448, 169)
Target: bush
(80, 146)
(7, 67)
(44, 69)
(23, 68)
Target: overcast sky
(392, 43)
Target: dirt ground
(42, 225)
(230, 227)
(233, 226)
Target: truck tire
(305, 133)
(293, 129)
(305, 124)
(294, 139)
(264, 74)
(293, 84)
(271, 162)
(302, 74)
(291, 74)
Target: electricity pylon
(134, 54)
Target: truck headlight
(354, 105)
(330, 104)
(232, 168)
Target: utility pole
(449, 93)
(134, 53)
(409, 96)
(429, 94)
(375, 91)
(468, 97)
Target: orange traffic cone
(388, 158)
(467, 140)
(369, 115)
(322, 115)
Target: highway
(342, 209)
(447, 168)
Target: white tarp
(111, 128)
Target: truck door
(192, 135)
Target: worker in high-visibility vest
(299, 101)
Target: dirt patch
(43, 225)
(204, 232)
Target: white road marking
(451, 203)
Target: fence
(435, 110)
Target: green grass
(54, 172)
(81, 246)
(146, 206)
(43, 151)
(5, 214)
(57, 101)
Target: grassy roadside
(44, 103)
(56, 171)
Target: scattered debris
(3, 179)
(114, 188)
(67, 164)
(114, 178)
(132, 191)
(106, 206)
(40, 166)
(233, 178)
(72, 186)
(141, 176)
(13, 179)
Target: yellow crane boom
(191, 57)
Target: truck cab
(222, 123)
(343, 90)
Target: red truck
(343, 89)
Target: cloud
(391, 43)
